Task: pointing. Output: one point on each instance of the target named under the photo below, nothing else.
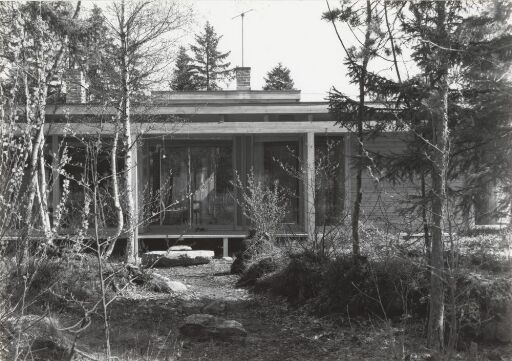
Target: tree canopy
(183, 78)
(210, 65)
(278, 78)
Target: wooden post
(225, 247)
(309, 184)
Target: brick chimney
(75, 87)
(243, 78)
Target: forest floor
(144, 326)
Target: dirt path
(144, 326)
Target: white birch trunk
(127, 143)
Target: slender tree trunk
(356, 214)
(99, 258)
(32, 157)
(111, 242)
(452, 289)
(435, 335)
(424, 210)
(127, 144)
(207, 69)
(43, 188)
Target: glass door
(192, 181)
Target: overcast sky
(287, 31)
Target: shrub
(60, 281)
(32, 286)
(257, 270)
(483, 301)
(299, 280)
(388, 288)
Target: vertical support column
(55, 175)
(309, 184)
(347, 141)
(225, 247)
(135, 195)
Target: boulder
(180, 248)
(204, 326)
(160, 283)
(176, 258)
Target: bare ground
(144, 326)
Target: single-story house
(192, 146)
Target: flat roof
(195, 108)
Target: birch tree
(144, 33)
(38, 49)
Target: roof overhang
(191, 128)
(191, 109)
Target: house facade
(191, 147)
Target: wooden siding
(382, 199)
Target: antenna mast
(241, 15)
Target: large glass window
(329, 180)
(86, 157)
(278, 161)
(191, 181)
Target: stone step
(176, 258)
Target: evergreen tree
(350, 113)
(183, 76)
(453, 119)
(210, 64)
(278, 79)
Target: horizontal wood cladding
(383, 200)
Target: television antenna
(242, 15)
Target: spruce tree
(278, 79)
(355, 113)
(183, 78)
(210, 64)
(453, 119)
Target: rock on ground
(180, 248)
(176, 258)
(204, 326)
(163, 284)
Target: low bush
(60, 281)
(387, 288)
(299, 279)
(484, 306)
(257, 270)
(391, 287)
